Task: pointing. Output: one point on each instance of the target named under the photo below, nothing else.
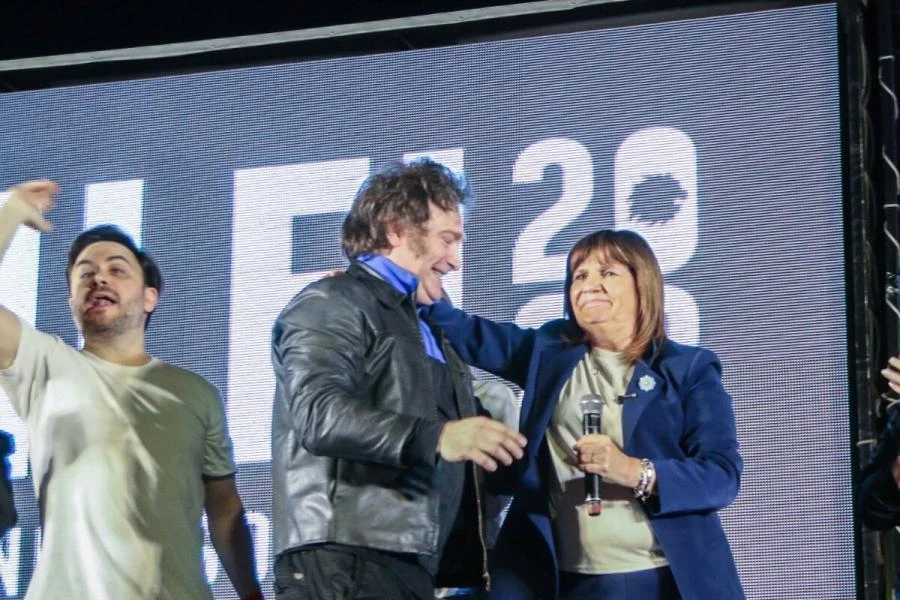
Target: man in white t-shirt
(126, 450)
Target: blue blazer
(683, 421)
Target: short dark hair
(399, 194)
(110, 233)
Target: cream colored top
(121, 453)
(620, 539)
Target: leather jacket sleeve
(879, 495)
(319, 350)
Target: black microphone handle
(592, 482)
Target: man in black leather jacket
(376, 438)
(879, 492)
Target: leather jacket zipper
(485, 574)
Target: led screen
(717, 138)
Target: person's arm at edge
(878, 499)
(230, 535)
(878, 496)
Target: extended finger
(39, 185)
(499, 445)
(501, 429)
(512, 443)
(891, 375)
(45, 203)
(489, 424)
(483, 460)
(43, 225)
(500, 453)
(593, 468)
(513, 447)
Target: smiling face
(604, 297)
(107, 292)
(429, 253)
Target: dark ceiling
(32, 28)
(36, 28)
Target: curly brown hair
(399, 194)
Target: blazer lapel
(555, 367)
(643, 389)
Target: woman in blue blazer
(667, 449)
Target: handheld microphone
(591, 410)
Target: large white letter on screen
(265, 201)
(659, 164)
(118, 203)
(656, 196)
(530, 261)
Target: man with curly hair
(378, 441)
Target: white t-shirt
(620, 539)
(117, 459)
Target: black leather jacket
(879, 496)
(355, 426)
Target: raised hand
(481, 440)
(28, 202)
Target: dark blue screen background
(718, 138)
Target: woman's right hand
(598, 454)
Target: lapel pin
(646, 383)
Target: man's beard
(108, 328)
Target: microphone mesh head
(591, 404)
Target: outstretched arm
(503, 349)
(26, 205)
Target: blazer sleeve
(708, 477)
(878, 500)
(503, 349)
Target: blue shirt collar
(401, 279)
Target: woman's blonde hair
(630, 249)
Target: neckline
(153, 360)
